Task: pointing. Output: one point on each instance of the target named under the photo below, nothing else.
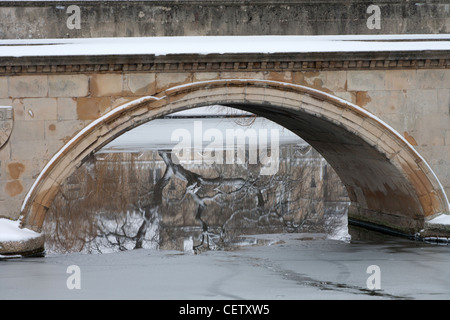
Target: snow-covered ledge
(16, 241)
(438, 226)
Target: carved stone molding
(225, 62)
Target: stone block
(35, 109)
(385, 102)
(283, 76)
(204, 76)
(327, 81)
(347, 96)
(168, 80)
(293, 96)
(28, 86)
(439, 155)
(5, 152)
(13, 188)
(354, 117)
(433, 79)
(32, 150)
(9, 207)
(120, 101)
(106, 85)
(67, 109)
(365, 80)
(443, 102)
(312, 79)
(335, 81)
(24, 169)
(427, 129)
(140, 83)
(395, 120)
(4, 87)
(68, 85)
(258, 75)
(62, 130)
(422, 101)
(28, 130)
(401, 79)
(92, 108)
(18, 188)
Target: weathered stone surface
(106, 85)
(68, 86)
(168, 80)
(67, 108)
(422, 101)
(385, 102)
(35, 109)
(91, 108)
(401, 79)
(60, 130)
(433, 79)
(28, 130)
(37, 149)
(140, 83)
(39, 19)
(363, 81)
(28, 86)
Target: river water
(271, 267)
(275, 267)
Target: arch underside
(388, 183)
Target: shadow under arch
(388, 182)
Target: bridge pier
(23, 248)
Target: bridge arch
(388, 182)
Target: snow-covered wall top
(70, 19)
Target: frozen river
(282, 267)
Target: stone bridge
(380, 117)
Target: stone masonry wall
(50, 109)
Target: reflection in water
(147, 199)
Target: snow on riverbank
(10, 231)
(443, 219)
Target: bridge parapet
(60, 19)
